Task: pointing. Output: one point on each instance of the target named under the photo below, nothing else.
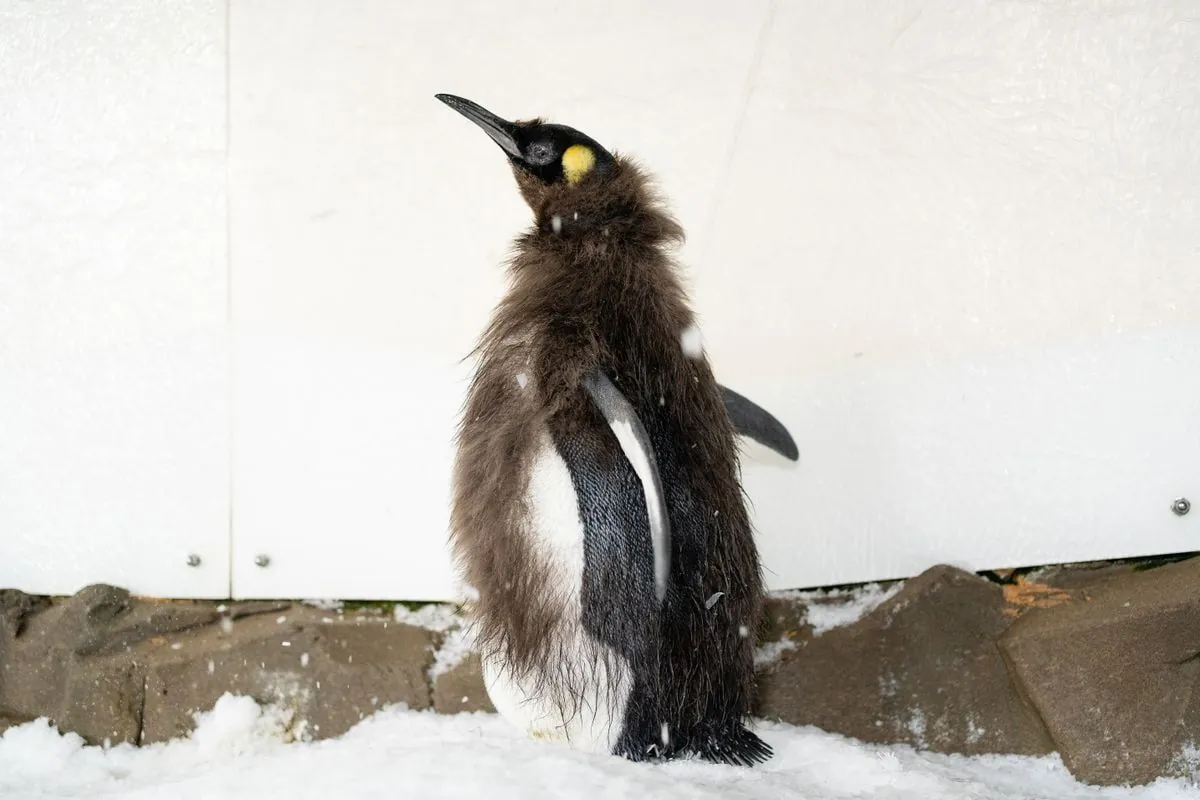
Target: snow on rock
(771, 652)
(455, 647)
(435, 617)
(1188, 762)
(239, 752)
(324, 604)
(826, 610)
(457, 641)
(847, 607)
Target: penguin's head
(542, 154)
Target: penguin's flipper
(623, 420)
(751, 420)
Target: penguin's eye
(540, 153)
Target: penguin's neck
(600, 279)
(617, 204)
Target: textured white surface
(955, 246)
(953, 250)
(114, 458)
(342, 463)
(369, 224)
(959, 252)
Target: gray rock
(329, 674)
(923, 669)
(103, 700)
(15, 608)
(1114, 674)
(141, 623)
(460, 688)
(11, 721)
(368, 664)
(34, 664)
(252, 608)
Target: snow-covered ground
(240, 750)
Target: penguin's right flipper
(751, 420)
(623, 420)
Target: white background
(955, 246)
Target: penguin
(596, 504)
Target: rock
(783, 618)
(922, 668)
(15, 607)
(247, 658)
(1077, 577)
(58, 665)
(371, 663)
(330, 674)
(34, 664)
(1113, 674)
(460, 688)
(99, 604)
(103, 700)
(142, 623)
(252, 608)
(11, 721)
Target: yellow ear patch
(577, 161)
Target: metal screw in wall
(1181, 506)
(193, 560)
(262, 559)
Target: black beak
(502, 131)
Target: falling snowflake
(556, 223)
(691, 341)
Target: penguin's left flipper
(754, 422)
(631, 434)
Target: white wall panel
(949, 244)
(369, 227)
(960, 251)
(114, 456)
(954, 246)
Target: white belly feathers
(575, 701)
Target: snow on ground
(238, 752)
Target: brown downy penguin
(597, 502)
